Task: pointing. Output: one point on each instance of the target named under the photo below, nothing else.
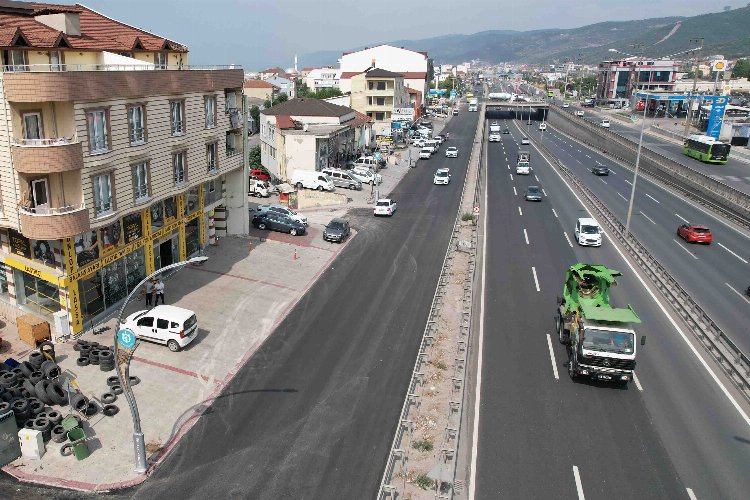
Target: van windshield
(590, 229)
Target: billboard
(716, 117)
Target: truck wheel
(299, 185)
(319, 188)
(561, 330)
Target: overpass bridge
(534, 110)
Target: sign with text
(19, 244)
(716, 118)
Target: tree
(282, 97)
(741, 69)
(254, 157)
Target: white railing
(55, 141)
(53, 210)
(58, 68)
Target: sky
(266, 33)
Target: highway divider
(729, 202)
(730, 358)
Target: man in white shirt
(159, 290)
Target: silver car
(281, 209)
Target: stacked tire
(93, 353)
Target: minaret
(295, 63)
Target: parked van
(312, 180)
(172, 326)
(433, 143)
(343, 179)
(369, 161)
(364, 174)
(259, 188)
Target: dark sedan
(600, 170)
(533, 193)
(278, 222)
(506, 131)
(337, 230)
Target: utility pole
(688, 117)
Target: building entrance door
(165, 254)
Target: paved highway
(672, 434)
(313, 413)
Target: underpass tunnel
(497, 113)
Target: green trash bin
(81, 450)
(70, 422)
(76, 434)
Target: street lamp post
(688, 116)
(635, 171)
(125, 343)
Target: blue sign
(437, 92)
(395, 124)
(716, 118)
(453, 94)
(126, 338)
(376, 155)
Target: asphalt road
(539, 433)
(313, 413)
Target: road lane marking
(688, 251)
(526, 236)
(587, 156)
(544, 192)
(628, 182)
(621, 196)
(508, 166)
(612, 171)
(519, 211)
(537, 178)
(478, 390)
(511, 176)
(536, 280)
(554, 213)
(602, 180)
(732, 401)
(552, 357)
(649, 218)
(728, 250)
(657, 201)
(514, 191)
(738, 293)
(691, 494)
(681, 217)
(637, 382)
(579, 161)
(568, 239)
(579, 486)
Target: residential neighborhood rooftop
(307, 107)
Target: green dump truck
(600, 339)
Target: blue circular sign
(126, 338)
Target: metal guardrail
(730, 202)
(396, 452)
(732, 360)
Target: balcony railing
(56, 68)
(53, 210)
(52, 223)
(56, 141)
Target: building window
(380, 116)
(15, 60)
(103, 194)
(210, 109)
(32, 127)
(231, 143)
(381, 85)
(380, 101)
(140, 181)
(231, 100)
(98, 134)
(211, 156)
(178, 167)
(160, 60)
(137, 124)
(177, 117)
(55, 60)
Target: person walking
(159, 290)
(149, 292)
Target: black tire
(50, 369)
(58, 434)
(8, 379)
(353, 187)
(299, 185)
(66, 450)
(91, 409)
(25, 393)
(261, 225)
(56, 393)
(319, 188)
(173, 346)
(41, 392)
(28, 386)
(20, 407)
(42, 424)
(106, 355)
(85, 349)
(19, 376)
(26, 368)
(94, 357)
(79, 402)
(4, 368)
(55, 417)
(76, 347)
(293, 232)
(113, 381)
(83, 362)
(48, 349)
(36, 407)
(4, 406)
(134, 380)
(108, 398)
(36, 376)
(29, 424)
(115, 389)
(106, 367)
(110, 410)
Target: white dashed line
(587, 156)
(728, 250)
(657, 201)
(519, 211)
(602, 180)
(552, 357)
(537, 178)
(688, 251)
(649, 218)
(514, 191)
(691, 495)
(681, 217)
(536, 280)
(544, 192)
(738, 293)
(568, 239)
(555, 213)
(621, 196)
(526, 236)
(628, 182)
(637, 382)
(511, 176)
(579, 486)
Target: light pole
(125, 343)
(688, 117)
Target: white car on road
(494, 137)
(524, 140)
(451, 152)
(442, 176)
(542, 126)
(385, 206)
(425, 153)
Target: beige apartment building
(117, 158)
(376, 93)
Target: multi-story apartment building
(620, 78)
(323, 78)
(376, 93)
(116, 159)
(415, 67)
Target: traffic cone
(295, 254)
(251, 246)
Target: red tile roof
(413, 91)
(308, 69)
(98, 32)
(258, 84)
(415, 75)
(348, 74)
(360, 119)
(284, 122)
(275, 71)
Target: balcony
(44, 156)
(54, 223)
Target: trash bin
(81, 450)
(76, 434)
(70, 422)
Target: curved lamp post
(125, 345)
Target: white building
(323, 78)
(414, 66)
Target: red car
(261, 174)
(695, 233)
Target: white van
(172, 326)
(312, 180)
(342, 178)
(588, 232)
(434, 143)
(604, 123)
(366, 175)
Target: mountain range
(726, 33)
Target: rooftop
(382, 73)
(307, 107)
(258, 84)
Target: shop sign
(166, 230)
(383, 139)
(75, 308)
(110, 236)
(86, 248)
(19, 244)
(133, 227)
(106, 261)
(170, 209)
(69, 255)
(31, 269)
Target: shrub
(423, 445)
(423, 481)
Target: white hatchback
(442, 176)
(385, 206)
(451, 152)
(425, 153)
(172, 326)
